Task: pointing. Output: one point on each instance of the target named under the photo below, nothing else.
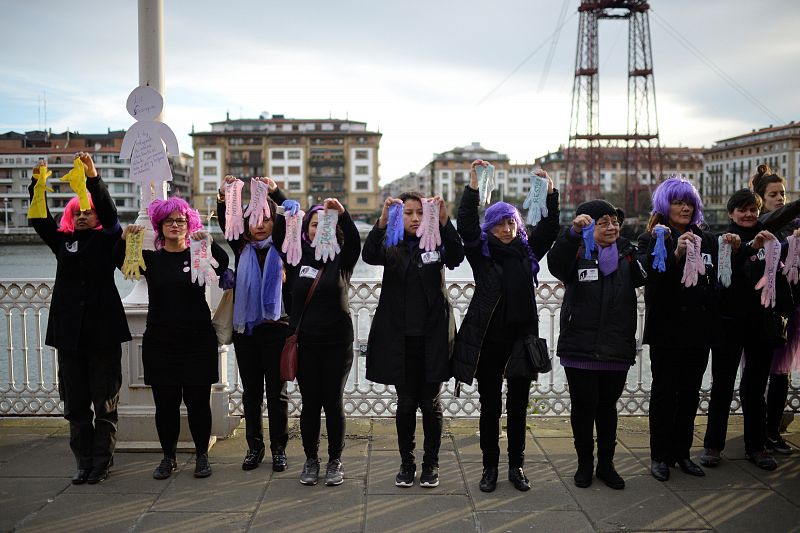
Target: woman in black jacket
(259, 332)
(325, 338)
(412, 333)
(87, 323)
(597, 337)
(678, 357)
(501, 313)
(179, 346)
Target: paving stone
(132, 473)
(513, 522)
(419, 512)
(744, 510)
(193, 522)
(46, 457)
(469, 449)
(289, 506)
(20, 497)
(85, 512)
(383, 467)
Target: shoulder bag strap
(308, 297)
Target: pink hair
(161, 209)
(67, 223)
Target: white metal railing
(29, 369)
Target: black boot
(606, 471)
(583, 476)
(488, 479)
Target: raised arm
(46, 227)
(778, 218)
(351, 248)
(374, 253)
(468, 220)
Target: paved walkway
(36, 494)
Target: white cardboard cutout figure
(144, 143)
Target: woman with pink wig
(87, 322)
(678, 354)
(179, 346)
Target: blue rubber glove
(660, 251)
(394, 228)
(588, 240)
(290, 207)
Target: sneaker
(202, 468)
(762, 460)
(429, 477)
(405, 478)
(779, 445)
(279, 462)
(334, 475)
(310, 473)
(165, 468)
(252, 459)
(710, 457)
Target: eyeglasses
(608, 223)
(180, 222)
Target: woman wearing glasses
(179, 346)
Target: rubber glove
(694, 266)
(724, 268)
(234, 222)
(428, 230)
(394, 229)
(486, 184)
(258, 208)
(38, 207)
(325, 244)
(772, 249)
(134, 262)
(660, 251)
(202, 262)
(536, 201)
(290, 207)
(77, 182)
(294, 225)
(588, 240)
(791, 269)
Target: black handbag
(538, 353)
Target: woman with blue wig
(505, 262)
(678, 357)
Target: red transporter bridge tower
(585, 153)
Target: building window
(278, 154)
(362, 185)
(294, 154)
(209, 156)
(294, 185)
(362, 170)
(362, 154)
(294, 171)
(119, 202)
(25, 173)
(362, 200)
(277, 170)
(119, 187)
(209, 186)
(119, 172)
(209, 171)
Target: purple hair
(498, 212)
(677, 187)
(158, 210)
(67, 223)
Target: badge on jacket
(588, 274)
(707, 260)
(430, 257)
(71, 246)
(308, 272)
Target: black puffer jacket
(488, 286)
(669, 303)
(598, 318)
(386, 354)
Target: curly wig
(158, 210)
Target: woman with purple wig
(87, 322)
(325, 338)
(179, 345)
(678, 357)
(505, 262)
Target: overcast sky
(418, 71)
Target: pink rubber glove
(202, 262)
(234, 222)
(792, 267)
(772, 251)
(428, 231)
(325, 244)
(694, 263)
(258, 208)
(291, 243)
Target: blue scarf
(258, 293)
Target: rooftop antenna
(45, 111)
(39, 111)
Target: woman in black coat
(325, 338)
(259, 333)
(681, 323)
(412, 333)
(597, 337)
(87, 323)
(501, 314)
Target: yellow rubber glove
(38, 208)
(133, 256)
(77, 182)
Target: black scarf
(516, 304)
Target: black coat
(598, 318)
(86, 311)
(671, 307)
(386, 352)
(488, 286)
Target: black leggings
(168, 415)
(491, 366)
(322, 372)
(752, 387)
(777, 392)
(593, 395)
(259, 359)
(417, 393)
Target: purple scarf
(608, 259)
(258, 293)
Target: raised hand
(428, 230)
(292, 246)
(325, 244)
(38, 207)
(77, 182)
(234, 222)
(258, 208)
(134, 262)
(202, 262)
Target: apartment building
(311, 159)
